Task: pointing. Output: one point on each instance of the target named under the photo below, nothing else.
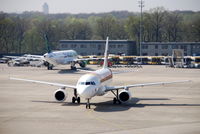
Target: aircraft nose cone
(85, 92)
(45, 55)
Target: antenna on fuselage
(105, 64)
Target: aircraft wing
(87, 71)
(86, 59)
(44, 82)
(124, 71)
(142, 85)
(13, 57)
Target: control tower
(45, 8)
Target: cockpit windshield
(87, 83)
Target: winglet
(105, 64)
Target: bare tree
(157, 21)
(172, 26)
(196, 29)
(6, 35)
(105, 26)
(20, 30)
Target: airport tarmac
(29, 108)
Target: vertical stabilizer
(47, 43)
(105, 64)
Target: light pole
(141, 5)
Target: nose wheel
(49, 66)
(88, 104)
(73, 67)
(76, 98)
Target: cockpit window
(82, 83)
(87, 83)
(93, 83)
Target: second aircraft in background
(65, 57)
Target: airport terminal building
(166, 48)
(118, 47)
(96, 47)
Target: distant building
(45, 8)
(96, 47)
(166, 48)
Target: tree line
(27, 32)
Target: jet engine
(124, 95)
(60, 95)
(82, 64)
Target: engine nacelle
(60, 95)
(124, 95)
(82, 64)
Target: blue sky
(94, 6)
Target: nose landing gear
(88, 104)
(76, 98)
(73, 67)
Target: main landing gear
(73, 67)
(116, 99)
(76, 98)
(48, 65)
(88, 104)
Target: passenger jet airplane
(95, 83)
(63, 58)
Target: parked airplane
(62, 58)
(95, 83)
(23, 60)
(25, 56)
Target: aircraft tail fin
(47, 43)
(105, 64)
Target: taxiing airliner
(95, 83)
(63, 58)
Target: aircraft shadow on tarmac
(67, 71)
(62, 103)
(133, 102)
(64, 71)
(108, 106)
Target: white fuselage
(92, 84)
(61, 57)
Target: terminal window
(174, 46)
(145, 47)
(165, 47)
(83, 46)
(120, 46)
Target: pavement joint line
(98, 118)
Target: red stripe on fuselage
(106, 78)
(103, 78)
